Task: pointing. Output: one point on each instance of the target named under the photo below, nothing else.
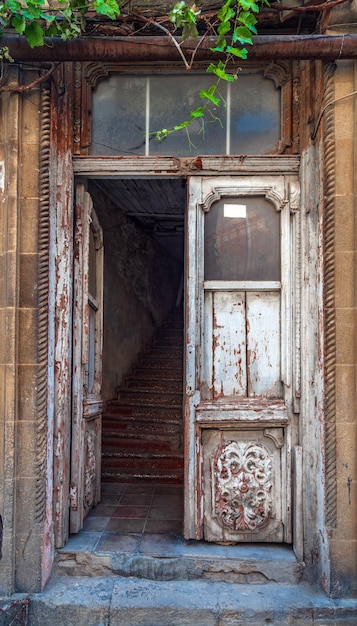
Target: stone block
(343, 568)
(28, 210)
(344, 170)
(30, 126)
(84, 602)
(346, 510)
(26, 442)
(26, 492)
(346, 453)
(345, 222)
(345, 336)
(11, 222)
(346, 393)
(9, 288)
(345, 279)
(28, 295)
(27, 336)
(28, 560)
(27, 384)
(29, 172)
(7, 336)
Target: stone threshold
(160, 557)
(117, 601)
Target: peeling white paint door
(87, 360)
(240, 311)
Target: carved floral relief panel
(243, 485)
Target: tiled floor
(147, 520)
(135, 508)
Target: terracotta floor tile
(116, 488)
(122, 525)
(136, 499)
(166, 513)
(163, 526)
(135, 512)
(96, 524)
(103, 510)
(144, 489)
(167, 500)
(113, 542)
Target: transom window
(127, 110)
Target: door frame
(118, 167)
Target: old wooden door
(242, 357)
(87, 359)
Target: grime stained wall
(140, 287)
(344, 534)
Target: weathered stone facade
(36, 180)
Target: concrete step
(115, 601)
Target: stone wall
(344, 533)
(27, 549)
(140, 287)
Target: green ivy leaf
(34, 34)
(248, 5)
(19, 24)
(241, 53)
(248, 19)
(242, 34)
(199, 112)
(219, 71)
(110, 8)
(208, 94)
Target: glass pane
(118, 116)
(125, 108)
(242, 240)
(206, 136)
(255, 115)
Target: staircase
(142, 429)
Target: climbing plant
(233, 24)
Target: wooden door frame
(146, 167)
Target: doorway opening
(142, 388)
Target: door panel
(239, 409)
(243, 471)
(86, 372)
(228, 344)
(263, 344)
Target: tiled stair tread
(126, 411)
(161, 385)
(149, 373)
(142, 464)
(129, 452)
(113, 475)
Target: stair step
(147, 450)
(157, 432)
(156, 360)
(158, 385)
(152, 398)
(143, 465)
(161, 476)
(121, 410)
(153, 374)
(174, 352)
